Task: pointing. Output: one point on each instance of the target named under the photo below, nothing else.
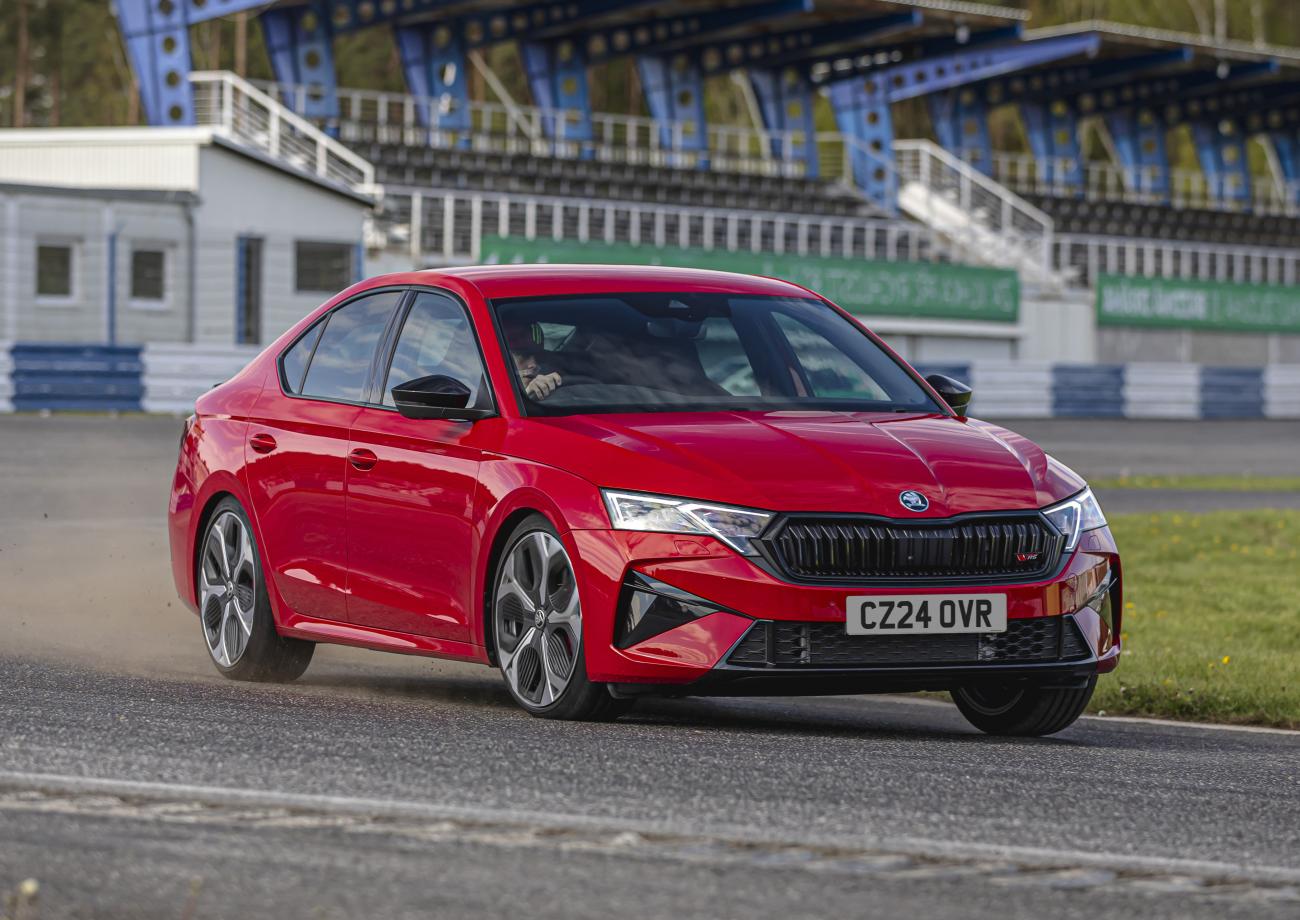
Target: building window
(149, 275)
(54, 265)
(322, 267)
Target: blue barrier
(1088, 390)
(1232, 392)
(78, 377)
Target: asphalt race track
(134, 782)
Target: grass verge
(1211, 623)
(1216, 483)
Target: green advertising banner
(912, 289)
(1126, 301)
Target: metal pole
(112, 287)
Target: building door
(248, 291)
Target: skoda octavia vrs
(611, 482)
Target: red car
(617, 481)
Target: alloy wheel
(538, 619)
(227, 588)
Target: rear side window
(296, 358)
(340, 365)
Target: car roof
(495, 281)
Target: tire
(1022, 709)
(535, 614)
(234, 608)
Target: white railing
(438, 227)
(250, 117)
(988, 222)
(1188, 188)
(1085, 256)
(369, 116)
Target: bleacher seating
(443, 168)
(1162, 222)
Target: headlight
(1075, 515)
(734, 526)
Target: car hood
(807, 461)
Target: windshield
(660, 352)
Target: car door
(411, 484)
(297, 450)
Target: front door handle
(262, 443)
(362, 459)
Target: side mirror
(436, 396)
(955, 393)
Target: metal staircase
(244, 115)
(986, 223)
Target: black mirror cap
(955, 393)
(436, 396)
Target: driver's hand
(542, 386)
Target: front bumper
(700, 656)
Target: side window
(829, 371)
(341, 365)
(436, 339)
(724, 358)
(295, 359)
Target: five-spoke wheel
(227, 588)
(234, 609)
(537, 620)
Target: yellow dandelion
(1227, 658)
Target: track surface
(389, 786)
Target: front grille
(780, 644)
(838, 549)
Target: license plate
(886, 615)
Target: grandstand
(820, 170)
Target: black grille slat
(827, 645)
(855, 548)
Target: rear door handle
(362, 459)
(262, 443)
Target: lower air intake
(779, 644)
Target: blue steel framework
(865, 63)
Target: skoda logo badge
(913, 500)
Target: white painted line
(481, 818)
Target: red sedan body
(382, 531)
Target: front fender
(510, 487)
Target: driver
(523, 340)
